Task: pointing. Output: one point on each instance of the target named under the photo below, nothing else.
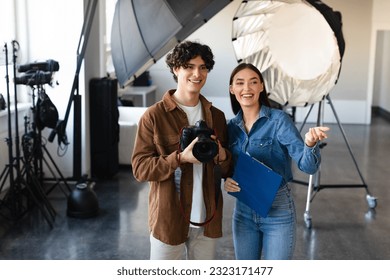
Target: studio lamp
(297, 45)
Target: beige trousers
(197, 247)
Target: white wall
(381, 85)
(384, 73)
(379, 56)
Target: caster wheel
(307, 219)
(371, 201)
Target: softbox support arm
(75, 96)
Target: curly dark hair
(183, 52)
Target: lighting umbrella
(297, 45)
(144, 31)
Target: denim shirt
(273, 140)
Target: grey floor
(343, 225)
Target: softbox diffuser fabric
(293, 45)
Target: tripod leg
(36, 194)
(316, 176)
(3, 177)
(346, 140)
(305, 119)
(57, 169)
(370, 199)
(306, 215)
(300, 130)
(57, 182)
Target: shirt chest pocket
(166, 144)
(261, 148)
(235, 147)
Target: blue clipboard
(259, 183)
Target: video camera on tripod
(49, 65)
(38, 73)
(34, 78)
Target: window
(110, 10)
(7, 34)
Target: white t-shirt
(198, 212)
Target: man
(185, 202)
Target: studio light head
(298, 70)
(49, 65)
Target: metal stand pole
(314, 188)
(76, 98)
(41, 154)
(9, 168)
(21, 190)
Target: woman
(270, 136)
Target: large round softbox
(295, 44)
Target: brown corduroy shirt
(155, 160)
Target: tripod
(35, 150)
(25, 189)
(314, 185)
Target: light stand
(78, 209)
(314, 185)
(75, 98)
(22, 191)
(13, 202)
(39, 155)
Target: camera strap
(217, 184)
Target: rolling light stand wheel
(307, 219)
(371, 201)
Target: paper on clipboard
(258, 184)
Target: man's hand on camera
(186, 155)
(221, 151)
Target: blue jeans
(272, 237)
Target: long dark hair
(263, 99)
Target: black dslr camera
(206, 148)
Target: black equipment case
(104, 127)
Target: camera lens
(205, 149)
